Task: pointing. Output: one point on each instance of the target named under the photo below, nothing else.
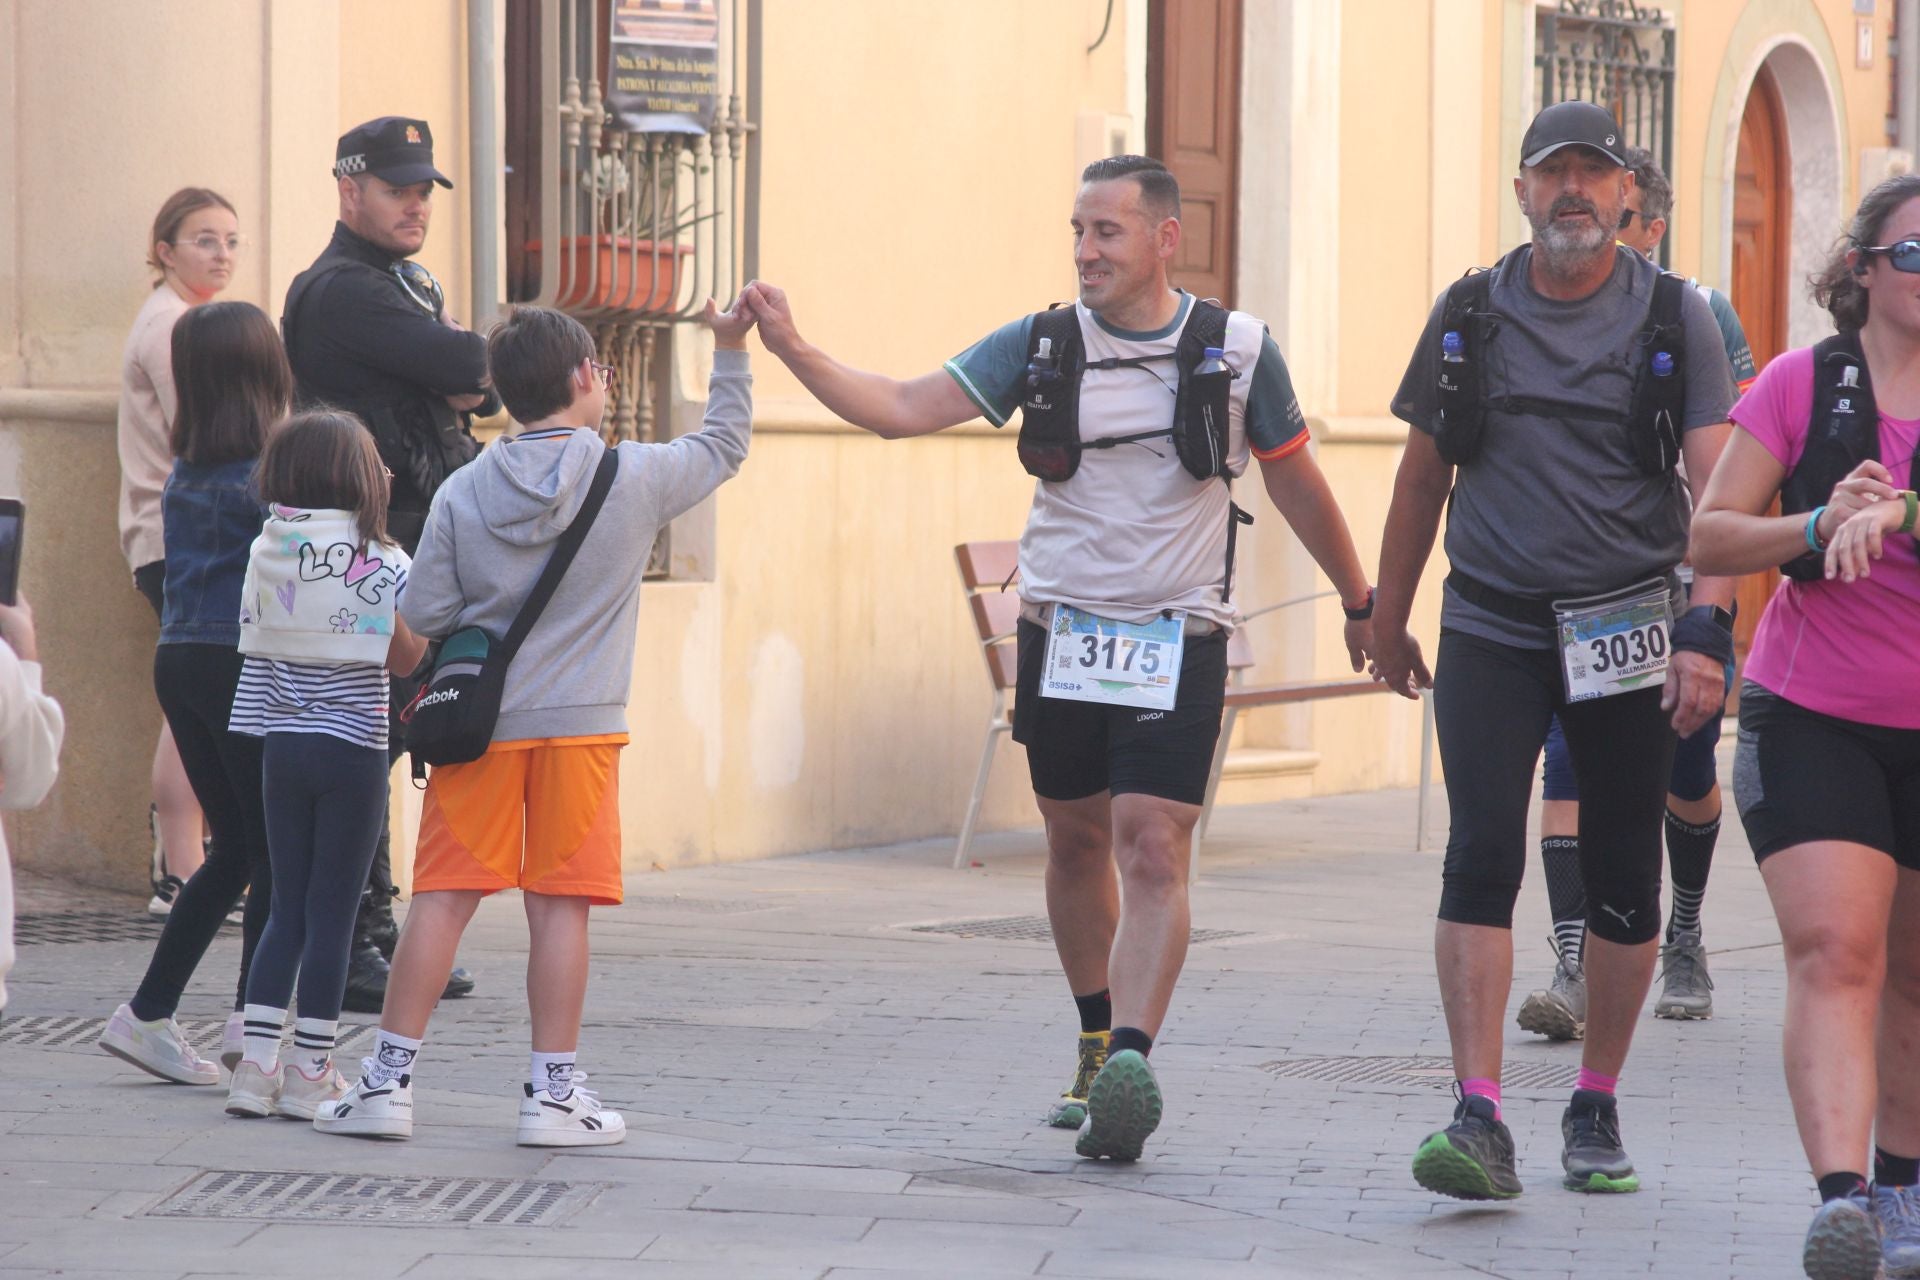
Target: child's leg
(289, 791)
(556, 969)
(424, 957)
(351, 804)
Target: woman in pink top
(196, 237)
(1827, 772)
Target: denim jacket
(211, 517)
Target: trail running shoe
(1123, 1109)
(577, 1120)
(1594, 1159)
(1843, 1241)
(156, 1047)
(301, 1092)
(369, 1110)
(1898, 1212)
(1470, 1159)
(1071, 1111)
(1560, 1011)
(1686, 992)
(253, 1093)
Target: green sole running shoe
(1470, 1159)
(1070, 1112)
(1594, 1158)
(1123, 1109)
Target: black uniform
(360, 338)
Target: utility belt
(1040, 615)
(1535, 611)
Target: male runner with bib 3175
(1140, 405)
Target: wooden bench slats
(987, 564)
(995, 613)
(1004, 661)
(1273, 695)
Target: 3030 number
(1628, 648)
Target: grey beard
(1564, 252)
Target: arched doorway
(1762, 273)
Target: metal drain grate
(390, 1201)
(1036, 929)
(78, 1033)
(700, 906)
(51, 928)
(1433, 1073)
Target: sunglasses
(1903, 254)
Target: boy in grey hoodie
(540, 810)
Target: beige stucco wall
(822, 686)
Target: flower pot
(606, 271)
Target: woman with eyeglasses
(1827, 772)
(196, 237)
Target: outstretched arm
(1299, 490)
(888, 407)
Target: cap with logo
(1573, 124)
(393, 147)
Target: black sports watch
(1361, 614)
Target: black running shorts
(1801, 776)
(1079, 749)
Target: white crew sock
(393, 1057)
(264, 1025)
(554, 1073)
(313, 1043)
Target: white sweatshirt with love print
(314, 594)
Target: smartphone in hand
(13, 518)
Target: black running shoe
(1594, 1159)
(1470, 1159)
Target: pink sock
(1481, 1087)
(1591, 1079)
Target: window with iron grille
(1618, 54)
(629, 225)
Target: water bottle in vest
(1453, 348)
(1043, 378)
(1663, 364)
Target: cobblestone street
(823, 1079)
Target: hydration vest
(1843, 430)
(1467, 328)
(1051, 447)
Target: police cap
(393, 147)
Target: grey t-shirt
(1555, 506)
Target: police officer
(367, 330)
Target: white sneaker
(302, 1094)
(165, 890)
(156, 1047)
(233, 1040)
(579, 1121)
(369, 1110)
(253, 1093)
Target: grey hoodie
(494, 524)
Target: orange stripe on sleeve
(1294, 445)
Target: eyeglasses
(212, 244)
(604, 370)
(1903, 254)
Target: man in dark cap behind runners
(367, 330)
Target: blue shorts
(1694, 772)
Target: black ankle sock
(1690, 856)
(1566, 892)
(1890, 1170)
(1130, 1038)
(1096, 1011)
(1836, 1186)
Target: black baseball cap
(1573, 124)
(392, 147)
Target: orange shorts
(540, 814)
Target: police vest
(1469, 325)
(1051, 447)
(1843, 430)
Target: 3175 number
(1117, 653)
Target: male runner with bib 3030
(1140, 405)
(1550, 400)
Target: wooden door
(1762, 228)
(1193, 126)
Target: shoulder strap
(563, 553)
(327, 264)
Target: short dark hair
(532, 354)
(1656, 193)
(230, 373)
(1159, 189)
(326, 459)
(1836, 286)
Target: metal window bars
(628, 230)
(1617, 53)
